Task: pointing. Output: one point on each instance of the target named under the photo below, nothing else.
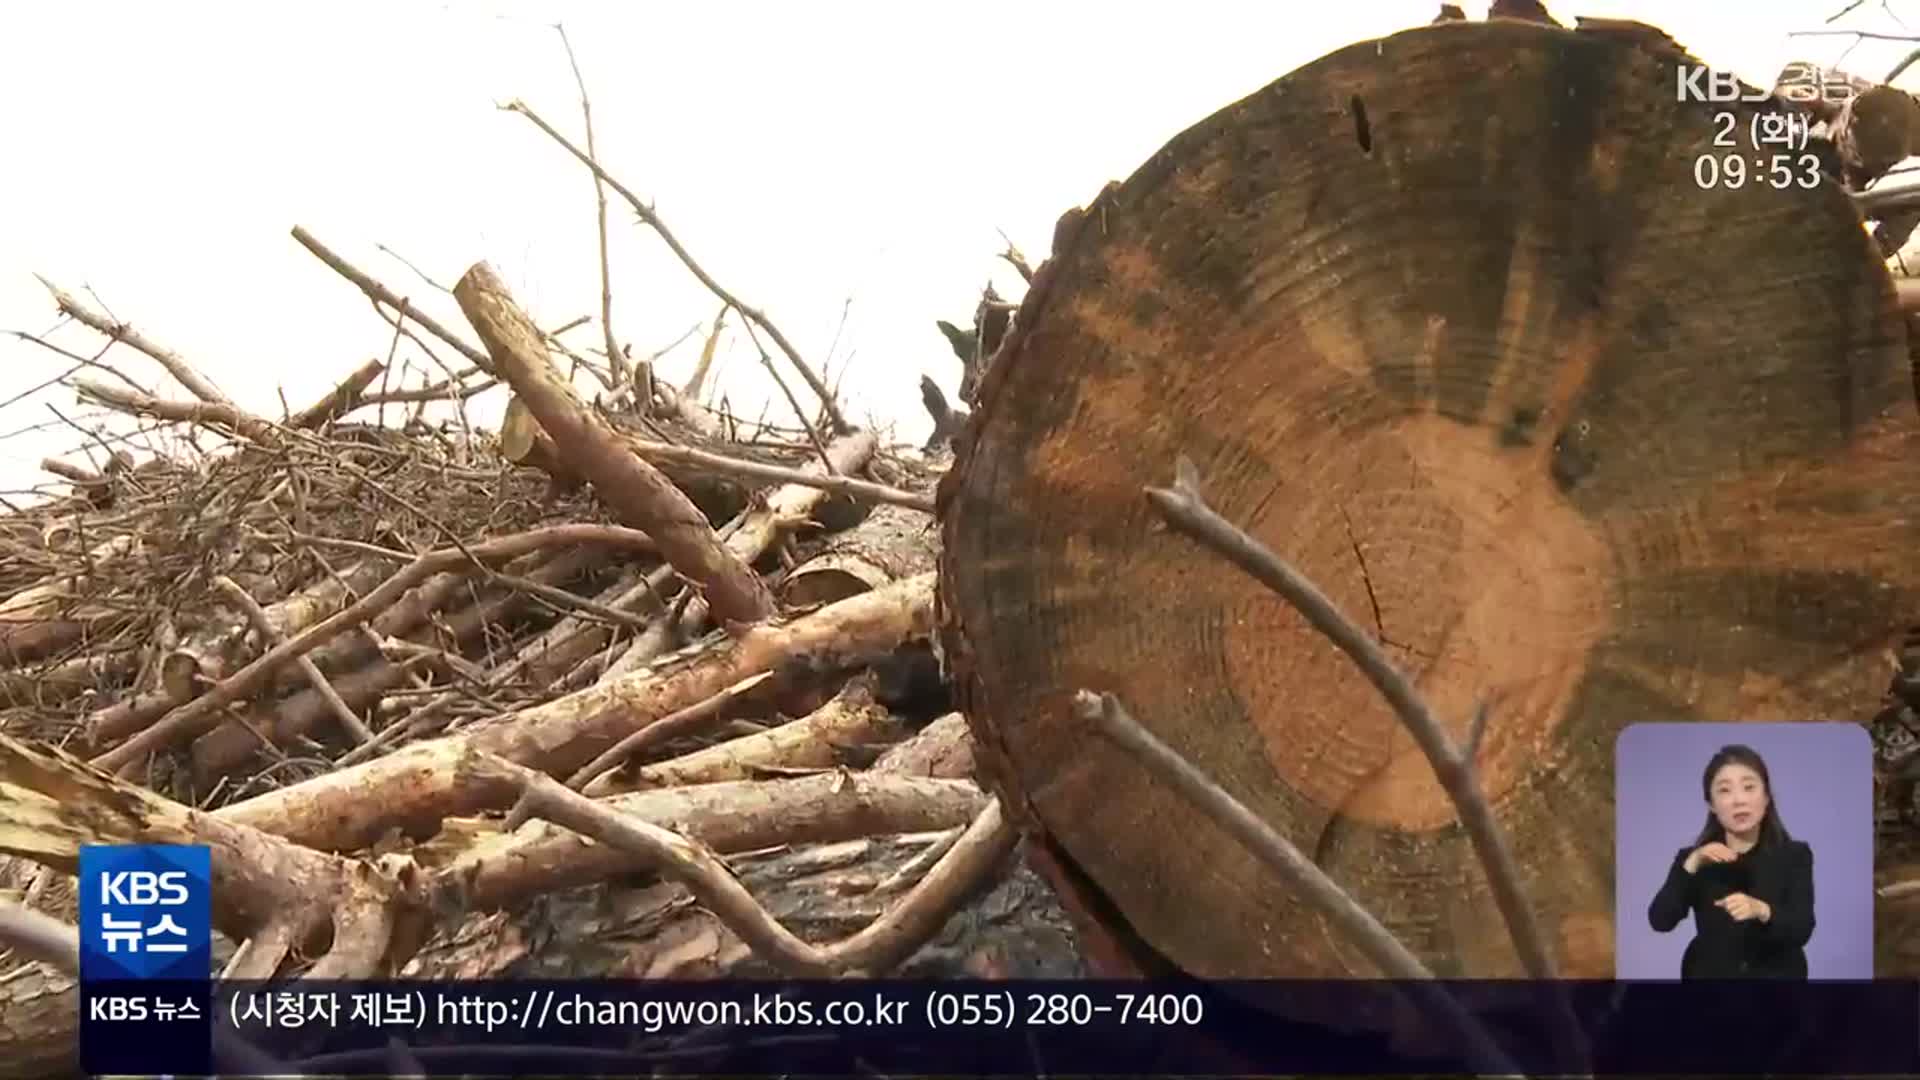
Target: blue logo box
(145, 912)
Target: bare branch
(381, 294)
(1186, 510)
(653, 221)
(182, 371)
(1307, 880)
(614, 357)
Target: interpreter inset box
(1743, 851)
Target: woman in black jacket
(1748, 883)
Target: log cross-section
(1446, 321)
(638, 492)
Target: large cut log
(1643, 452)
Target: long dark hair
(1772, 829)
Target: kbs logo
(145, 912)
(1698, 83)
(144, 887)
(1799, 82)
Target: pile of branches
(419, 685)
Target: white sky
(807, 154)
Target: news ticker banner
(983, 1028)
(149, 1006)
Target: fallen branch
(633, 488)
(668, 453)
(280, 723)
(489, 869)
(343, 399)
(51, 614)
(270, 636)
(38, 937)
(874, 950)
(222, 417)
(786, 509)
(540, 662)
(671, 726)
(813, 741)
(943, 748)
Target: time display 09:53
(1770, 170)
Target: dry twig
(652, 219)
(1307, 880)
(1186, 510)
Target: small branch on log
(1186, 510)
(270, 637)
(631, 486)
(813, 741)
(1308, 881)
(667, 727)
(917, 866)
(654, 222)
(1016, 260)
(489, 869)
(1898, 889)
(380, 294)
(182, 371)
(205, 712)
(874, 950)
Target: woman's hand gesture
(1709, 852)
(1743, 907)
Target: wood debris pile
(397, 673)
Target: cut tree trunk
(1643, 452)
